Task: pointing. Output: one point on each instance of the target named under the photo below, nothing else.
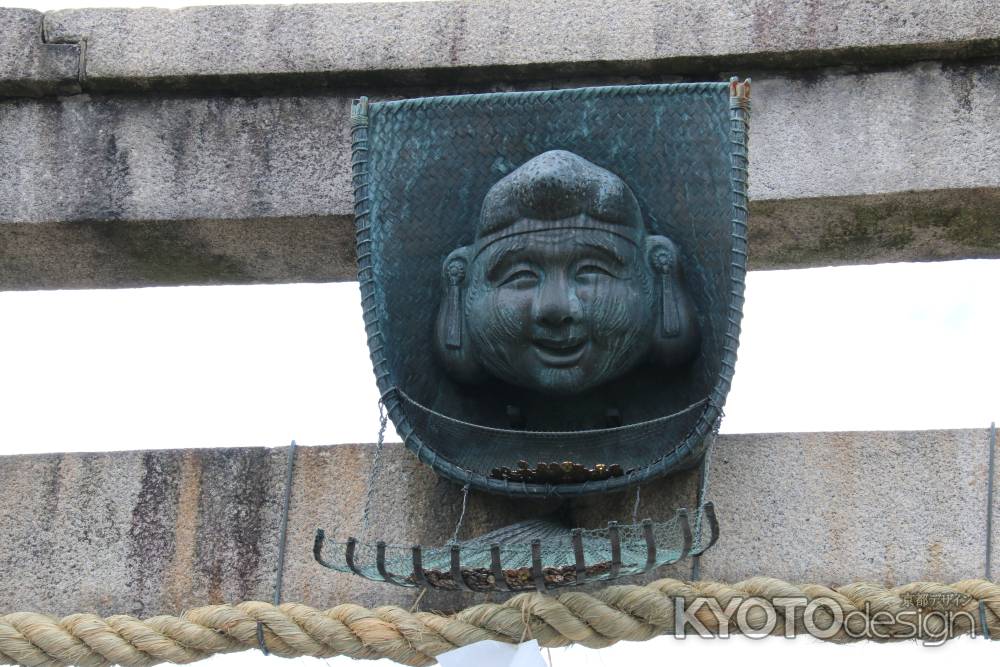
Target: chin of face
(561, 381)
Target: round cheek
(511, 313)
(619, 317)
(611, 307)
(499, 321)
(499, 324)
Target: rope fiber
(596, 620)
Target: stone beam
(930, 225)
(255, 48)
(124, 190)
(156, 532)
(30, 64)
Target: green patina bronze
(552, 281)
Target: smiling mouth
(560, 353)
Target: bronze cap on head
(558, 185)
(563, 289)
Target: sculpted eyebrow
(501, 255)
(606, 249)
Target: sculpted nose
(556, 304)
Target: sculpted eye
(591, 270)
(522, 278)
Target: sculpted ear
(451, 340)
(675, 337)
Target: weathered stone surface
(259, 187)
(253, 47)
(171, 158)
(156, 532)
(924, 126)
(162, 158)
(30, 66)
(784, 234)
(837, 507)
(160, 531)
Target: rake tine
(708, 509)
(682, 517)
(499, 580)
(380, 565)
(318, 549)
(352, 545)
(581, 563)
(616, 549)
(647, 532)
(536, 565)
(456, 569)
(418, 566)
(380, 560)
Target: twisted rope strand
(597, 619)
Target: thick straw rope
(593, 619)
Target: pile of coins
(557, 473)
(481, 579)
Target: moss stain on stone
(970, 225)
(167, 253)
(866, 228)
(979, 228)
(931, 216)
(908, 226)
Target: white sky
(890, 347)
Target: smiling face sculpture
(563, 290)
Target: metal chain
(635, 507)
(461, 516)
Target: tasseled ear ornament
(454, 347)
(663, 261)
(453, 301)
